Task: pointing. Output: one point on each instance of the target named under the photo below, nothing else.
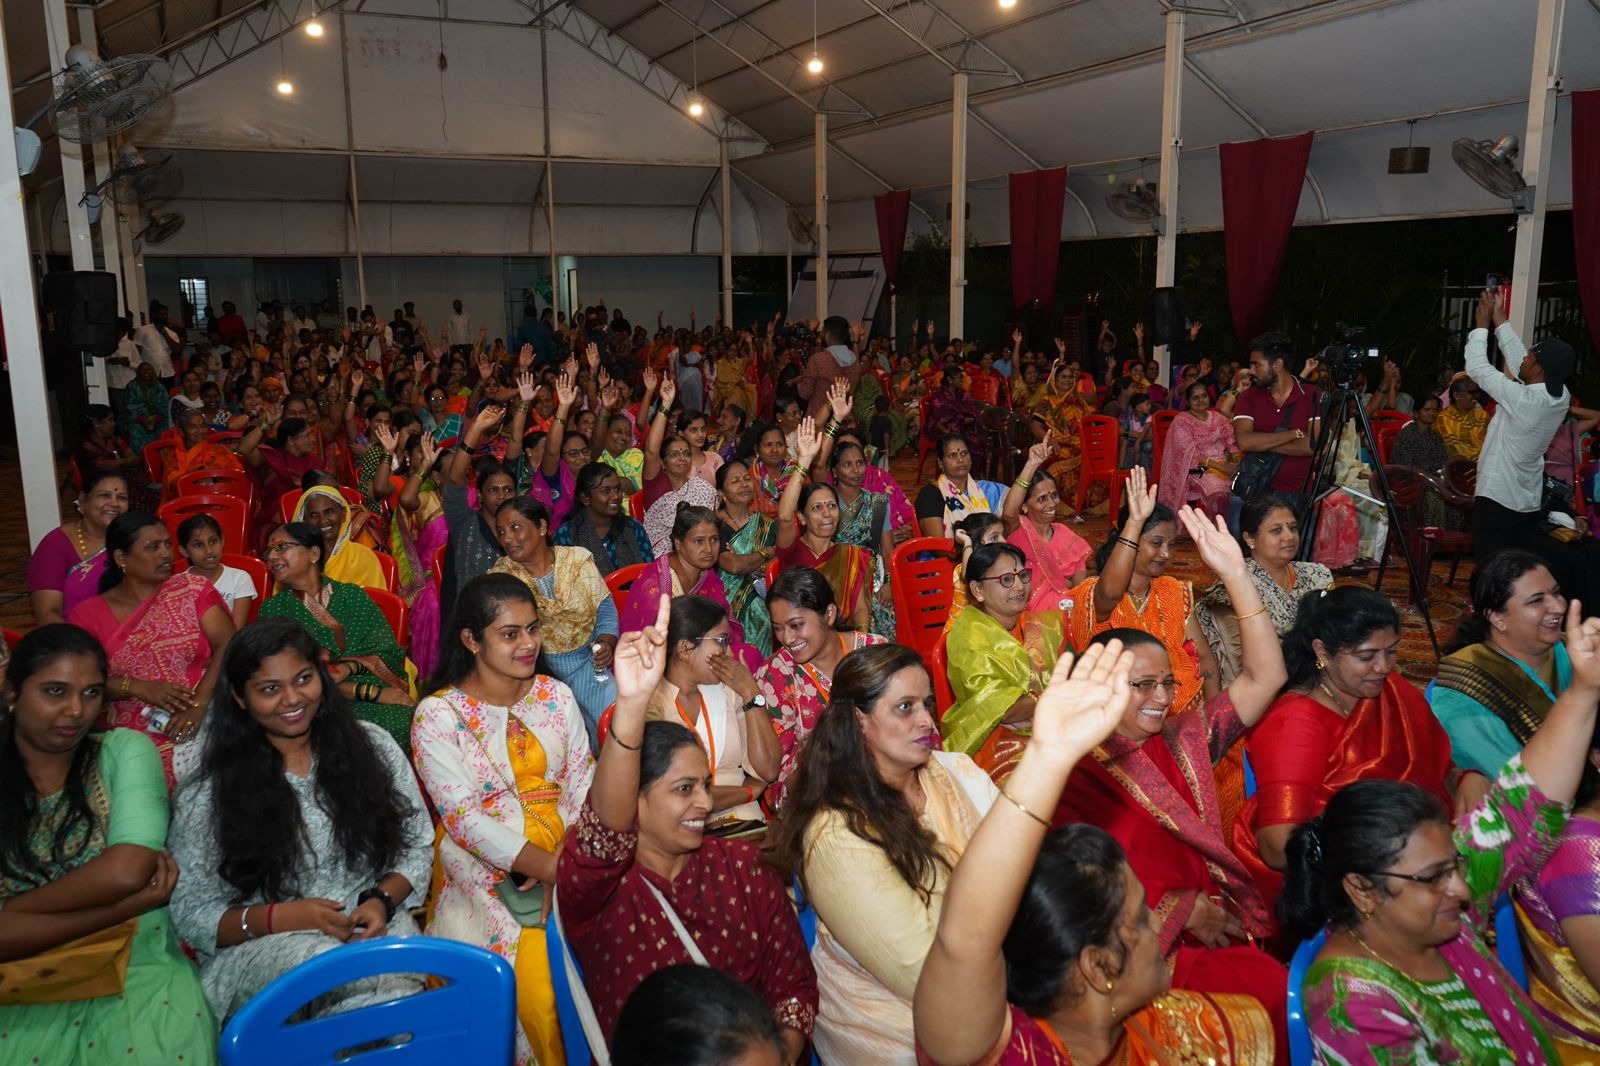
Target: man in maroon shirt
(231, 325)
(1280, 414)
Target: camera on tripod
(1343, 358)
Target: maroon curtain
(1037, 197)
(892, 208)
(1261, 183)
(1586, 201)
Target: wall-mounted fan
(1493, 165)
(142, 177)
(1135, 201)
(159, 228)
(801, 228)
(102, 97)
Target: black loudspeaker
(1167, 316)
(80, 308)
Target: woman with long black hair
(83, 821)
(502, 751)
(301, 819)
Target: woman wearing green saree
(747, 547)
(367, 662)
(1000, 656)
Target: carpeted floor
(1417, 658)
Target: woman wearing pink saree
(163, 636)
(1059, 557)
(415, 537)
(688, 569)
(1200, 439)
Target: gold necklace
(1344, 712)
(1138, 603)
(83, 542)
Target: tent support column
(1171, 149)
(549, 171)
(788, 271)
(29, 405)
(110, 231)
(350, 148)
(727, 233)
(958, 206)
(1537, 148)
(822, 214)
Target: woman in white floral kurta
(506, 775)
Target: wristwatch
(377, 893)
(758, 700)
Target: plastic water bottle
(602, 674)
(154, 719)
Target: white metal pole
(133, 279)
(727, 234)
(822, 215)
(1537, 148)
(100, 163)
(1171, 149)
(60, 39)
(788, 270)
(350, 148)
(24, 353)
(958, 207)
(549, 174)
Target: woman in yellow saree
(344, 559)
(1000, 655)
(502, 753)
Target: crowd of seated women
(651, 696)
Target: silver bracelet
(244, 923)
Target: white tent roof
(453, 160)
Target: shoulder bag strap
(677, 925)
(580, 995)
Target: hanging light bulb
(285, 86)
(1008, 3)
(815, 65)
(314, 28)
(697, 106)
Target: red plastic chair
(922, 573)
(1099, 440)
(636, 507)
(926, 445)
(436, 566)
(249, 564)
(77, 473)
(13, 638)
(1160, 426)
(620, 580)
(230, 512)
(218, 483)
(944, 697)
(1380, 419)
(394, 611)
(225, 436)
(772, 572)
(154, 458)
(1386, 435)
(391, 571)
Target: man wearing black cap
(1530, 408)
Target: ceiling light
(314, 28)
(696, 106)
(285, 86)
(815, 66)
(1008, 3)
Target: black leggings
(1575, 564)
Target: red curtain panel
(893, 208)
(1261, 183)
(1037, 197)
(1586, 201)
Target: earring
(1322, 664)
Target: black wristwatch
(758, 700)
(377, 893)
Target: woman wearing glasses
(714, 695)
(1000, 656)
(555, 477)
(1151, 786)
(1405, 976)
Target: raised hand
(1583, 646)
(1483, 313)
(1039, 454)
(386, 437)
(592, 354)
(489, 418)
(1141, 499)
(1138, 331)
(419, 363)
(430, 453)
(839, 399)
(808, 442)
(1216, 545)
(669, 393)
(1083, 702)
(525, 357)
(357, 377)
(651, 379)
(609, 397)
(527, 386)
(1016, 340)
(566, 391)
(485, 366)
(641, 658)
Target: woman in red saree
(1345, 716)
(163, 634)
(639, 885)
(1045, 954)
(1151, 786)
(847, 567)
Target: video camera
(1343, 358)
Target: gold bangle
(1259, 610)
(1023, 809)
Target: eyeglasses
(721, 642)
(281, 547)
(576, 453)
(1008, 580)
(1433, 881)
(1150, 684)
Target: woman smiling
(847, 568)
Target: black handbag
(1257, 469)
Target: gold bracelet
(1259, 610)
(1023, 809)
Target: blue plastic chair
(472, 1018)
(807, 916)
(1249, 777)
(1299, 1031)
(572, 1034)
(1508, 943)
(1427, 693)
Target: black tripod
(1340, 404)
